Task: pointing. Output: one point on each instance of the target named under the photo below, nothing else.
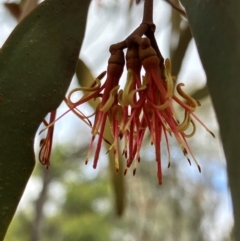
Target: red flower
(144, 104)
(46, 143)
(149, 104)
(108, 105)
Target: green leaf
(200, 93)
(37, 63)
(85, 78)
(215, 27)
(117, 178)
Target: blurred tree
(178, 210)
(81, 213)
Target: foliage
(32, 82)
(218, 22)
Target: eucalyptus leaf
(37, 63)
(215, 27)
(200, 93)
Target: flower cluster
(143, 104)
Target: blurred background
(72, 201)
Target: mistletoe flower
(107, 108)
(144, 104)
(150, 104)
(46, 143)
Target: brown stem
(148, 11)
(152, 38)
(147, 27)
(138, 32)
(148, 19)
